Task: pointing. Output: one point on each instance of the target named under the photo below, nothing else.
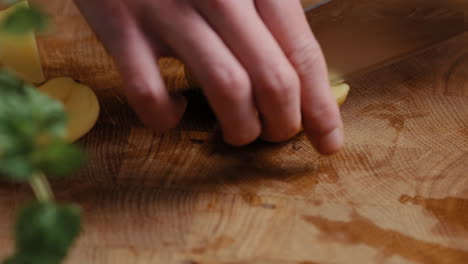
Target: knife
(357, 36)
(311, 4)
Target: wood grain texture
(396, 194)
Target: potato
(80, 103)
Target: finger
(320, 113)
(225, 82)
(137, 63)
(276, 84)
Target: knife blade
(311, 4)
(361, 35)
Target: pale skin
(258, 62)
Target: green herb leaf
(16, 168)
(46, 231)
(48, 115)
(26, 112)
(8, 82)
(58, 159)
(32, 128)
(25, 19)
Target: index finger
(320, 112)
(136, 61)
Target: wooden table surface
(397, 193)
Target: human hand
(259, 64)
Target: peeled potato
(80, 103)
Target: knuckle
(279, 81)
(231, 85)
(306, 55)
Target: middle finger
(276, 83)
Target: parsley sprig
(32, 145)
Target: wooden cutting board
(397, 193)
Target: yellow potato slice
(80, 103)
(340, 92)
(19, 53)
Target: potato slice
(340, 92)
(19, 53)
(80, 103)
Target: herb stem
(40, 185)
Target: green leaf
(46, 231)
(59, 159)
(8, 82)
(25, 19)
(32, 127)
(16, 168)
(48, 114)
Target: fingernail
(331, 142)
